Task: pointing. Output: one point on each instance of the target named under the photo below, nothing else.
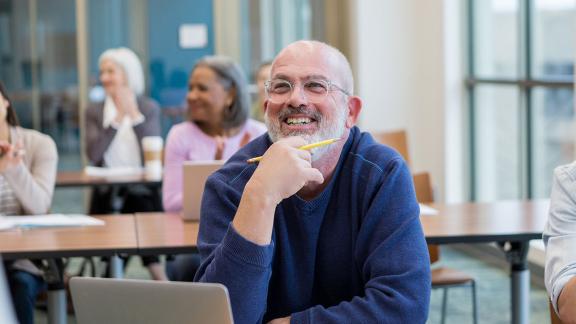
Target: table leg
(516, 254)
(116, 267)
(57, 306)
(53, 275)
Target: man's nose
(297, 97)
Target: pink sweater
(186, 142)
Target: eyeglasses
(280, 90)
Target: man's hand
(11, 155)
(282, 172)
(283, 320)
(567, 302)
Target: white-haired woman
(114, 132)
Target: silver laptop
(6, 309)
(194, 177)
(111, 301)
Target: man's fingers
(314, 175)
(304, 155)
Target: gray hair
(231, 76)
(129, 62)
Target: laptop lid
(6, 309)
(194, 178)
(111, 301)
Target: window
(520, 94)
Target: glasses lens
(316, 90)
(279, 91)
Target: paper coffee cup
(152, 147)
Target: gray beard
(326, 130)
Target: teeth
(298, 121)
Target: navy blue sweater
(354, 254)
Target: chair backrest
(424, 194)
(554, 319)
(397, 140)
(423, 187)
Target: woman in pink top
(217, 126)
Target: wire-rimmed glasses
(279, 91)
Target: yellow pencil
(304, 147)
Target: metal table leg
(116, 268)
(53, 275)
(57, 306)
(516, 254)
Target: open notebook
(50, 220)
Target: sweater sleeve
(242, 266)
(98, 138)
(392, 254)
(174, 157)
(151, 124)
(34, 187)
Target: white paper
(427, 210)
(112, 172)
(49, 220)
(193, 35)
(6, 224)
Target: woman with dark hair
(28, 162)
(217, 126)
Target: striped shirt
(9, 204)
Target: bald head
(324, 54)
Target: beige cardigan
(33, 180)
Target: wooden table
(81, 179)
(512, 224)
(118, 235)
(165, 233)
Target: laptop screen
(195, 174)
(99, 300)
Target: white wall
(407, 59)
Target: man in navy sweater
(328, 236)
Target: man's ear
(265, 106)
(354, 108)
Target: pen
(304, 147)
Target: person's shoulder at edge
(37, 136)
(566, 172)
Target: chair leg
(444, 302)
(474, 304)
